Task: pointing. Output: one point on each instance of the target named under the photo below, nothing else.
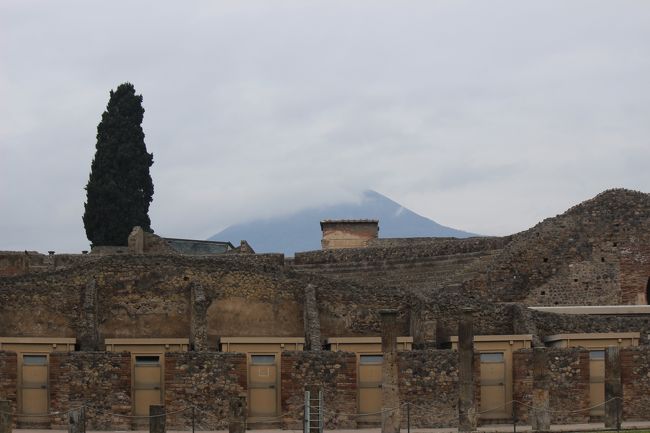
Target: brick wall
(335, 372)
(569, 384)
(206, 380)
(635, 375)
(8, 377)
(99, 380)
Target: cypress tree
(119, 188)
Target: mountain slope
(301, 231)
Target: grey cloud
(488, 116)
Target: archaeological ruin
(546, 326)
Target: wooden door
(147, 377)
(33, 388)
(370, 381)
(493, 385)
(262, 385)
(596, 382)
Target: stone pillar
(467, 388)
(135, 240)
(390, 403)
(199, 304)
(88, 329)
(539, 413)
(5, 416)
(311, 319)
(157, 420)
(237, 422)
(77, 421)
(613, 389)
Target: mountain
(301, 230)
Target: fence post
(408, 417)
(77, 421)
(157, 419)
(321, 419)
(306, 408)
(5, 416)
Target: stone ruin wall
(569, 384)
(428, 381)
(99, 380)
(9, 378)
(333, 372)
(596, 253)
(207, 380)
(252, 295)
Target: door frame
(277, 364)
(161, 360)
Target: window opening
(147, 360)
(371, 359)
(34, 359)
(262, 359)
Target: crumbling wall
(569, 384)
(635, 376)
(428, 382)
(101, 381)
(8, 377)
(333, 372)
(206, 380)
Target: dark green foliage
(119, 188)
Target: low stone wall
(569, 384)
(99, 380)
(334, 372)
(635, 375)
(428, 381)
(206, 380)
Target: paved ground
(488, 429)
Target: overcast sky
(487, 116)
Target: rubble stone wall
(206, 380)
(334, 372)
(569, 384)
(99, 380)
(635, 376)
(428, 382)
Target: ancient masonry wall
(428, 381)
(334, 372)
(8, 379)
(569, 384)
(413, 263)
(99, 380)
(209, 381)
(635, 375)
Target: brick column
(390, 402)
(539, 414)
(5, 416)
(157, 421)
(613, 389)
(467, 416)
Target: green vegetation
(119, 189)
